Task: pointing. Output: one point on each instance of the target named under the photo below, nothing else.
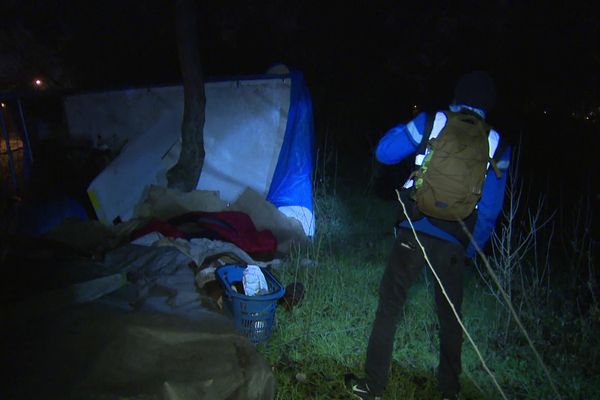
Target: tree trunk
(184, 175)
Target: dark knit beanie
(476, 89)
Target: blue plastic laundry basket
(253, 315)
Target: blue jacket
(403, 140)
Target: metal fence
(15, 150)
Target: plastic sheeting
(258, 134)
(291, 188)
(154, 338)
(94, 352)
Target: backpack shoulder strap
(429, 120)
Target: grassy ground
(324, 337)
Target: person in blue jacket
(445, 242)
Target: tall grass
(326, 335)
(539, 280)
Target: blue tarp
(292, 180)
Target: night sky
(393, 49)
(366, 63)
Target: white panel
(242, 146)
(119, 116)
(244, 129)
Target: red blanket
(230, 226)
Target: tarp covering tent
(131, 327)
(258, 134)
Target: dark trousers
(405, 263)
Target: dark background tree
(185, 173)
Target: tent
(258, 134)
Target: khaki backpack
(449, 182)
